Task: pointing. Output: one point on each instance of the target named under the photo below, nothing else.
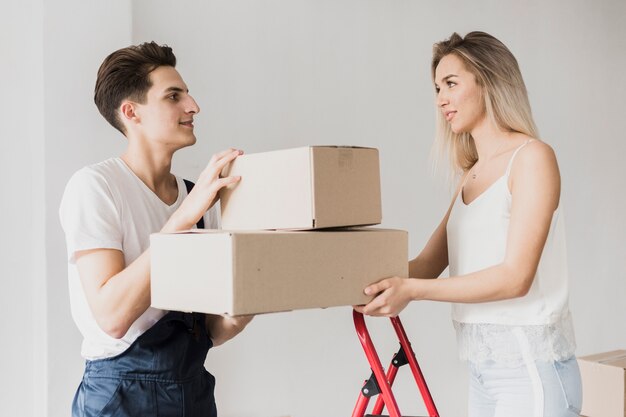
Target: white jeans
(534, 389)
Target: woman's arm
(429, 264)
(433, 259)
(535, 185)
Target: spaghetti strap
(508, 168)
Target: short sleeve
(88, 213)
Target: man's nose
(192, 106)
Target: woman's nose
(442, 99)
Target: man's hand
(204, 193)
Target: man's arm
(119, 294)
(116, 294)
(223, 328)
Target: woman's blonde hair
(503, 91)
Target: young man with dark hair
(141, 361)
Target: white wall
(22, 250)
(77, 36)
(277, 74)
(284, 73)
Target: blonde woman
(502, 237)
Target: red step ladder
(379, 383)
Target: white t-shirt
(107, 206)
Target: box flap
(341, 146)
(618, 361)
(612, 358)
(192, 231)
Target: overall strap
(508, 168)
(189, 185)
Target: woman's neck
(488, 139)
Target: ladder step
(384, 415)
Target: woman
(502, 238)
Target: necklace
(474, 172)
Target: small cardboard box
(304, 188)
(215, 271)
(603, 379)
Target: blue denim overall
(161, 374)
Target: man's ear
(128, 111)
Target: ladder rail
(384, 381)
(415, 368)
(377, 369)
(379, 405)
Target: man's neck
(153, 168)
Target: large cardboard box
(603, 378)
(238, 273)
(304, 188)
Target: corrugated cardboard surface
(603, 378)
(266, 271)
(346, 186)
(274, 191)
(303, 188)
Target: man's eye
(173, 96)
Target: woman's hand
(393, 296)
(204, 193)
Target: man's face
(166, 117)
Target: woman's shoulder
(535, 165)
(535, 153)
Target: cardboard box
(303, 188)
(214, 271)
(603, 379)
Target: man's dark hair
(125, 74)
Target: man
(140, 360)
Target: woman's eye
(437, 90)
(451, 84)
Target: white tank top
(477, 239)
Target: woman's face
(459, 97)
